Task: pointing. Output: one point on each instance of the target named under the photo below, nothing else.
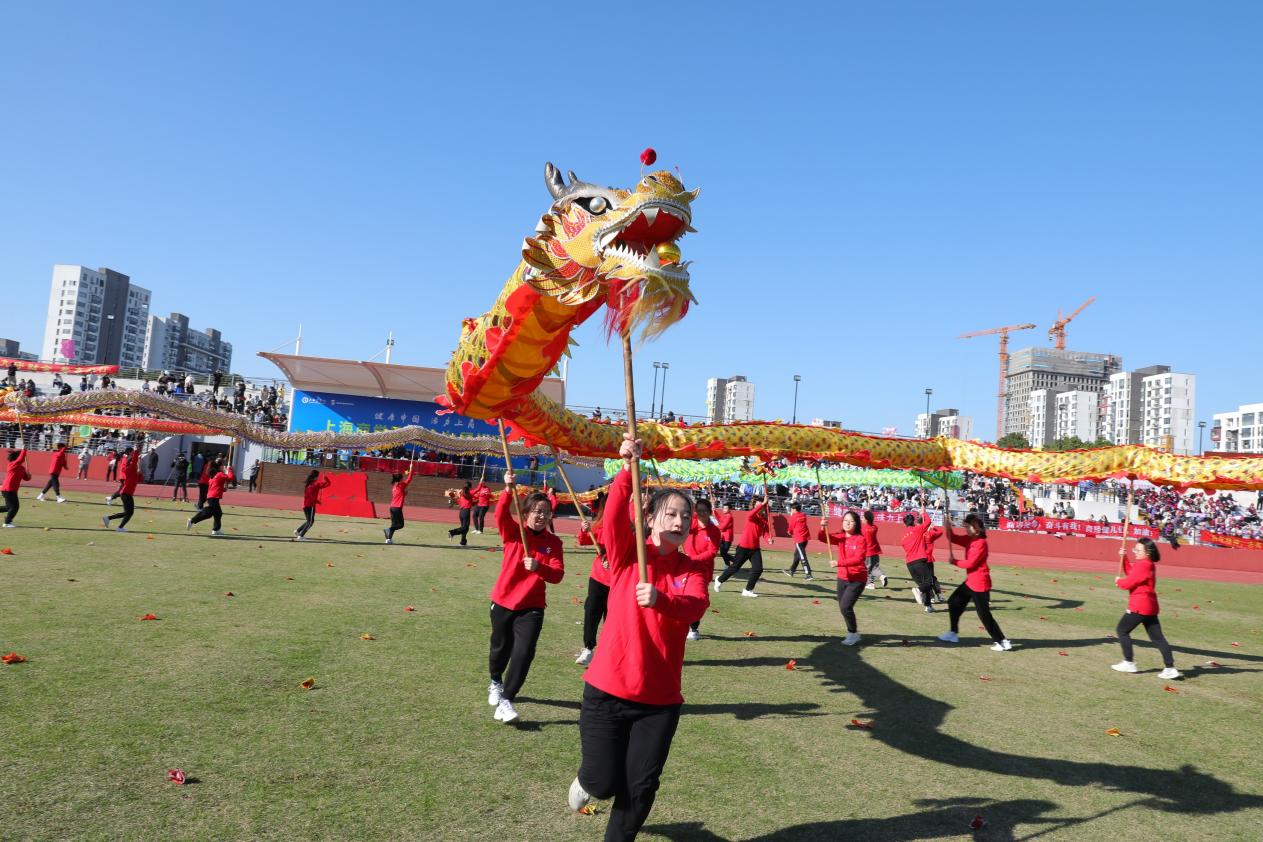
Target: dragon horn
(556, 184)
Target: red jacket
(552, 498)
(482, 495)
(399, 491)
(931, 535)
(799, 531)
(518, 588)
(465, 499)
(131, 473)
(725, 526)
(852, 550)
(869, 531)
(702, 543)
(59, 462)
(1142, 580)
(642, 649)
(977, 573)
(755, 529)
(219, 482)
(914, 542)
(204, 477)
(600, 569)
(311, 491)
(15, 473)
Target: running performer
(748, 549)
(465, 499)
(14, 475)
(977, 584)
(517, 599)
(702, 546)
(398, 494)
(1140, 579)
(852, 569)
(127, 491)
(219, 480)
(312, 487)
(595, 605)
(932, 534)
(800, 534)
(872, 551)
(203, 481)
(482, 502)
(631, 695)
(725, 533)
(914, 549)
(54, 474)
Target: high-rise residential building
(1240, 431)
(1077, 415)
(715, 391)
(10, 348)
(943, 422)
(1123, 415)
(1169, 406)
(171, 344)
(729, 399)
(95, 316)
(1050, 369)
(1041, 412)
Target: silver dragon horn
(552, 178)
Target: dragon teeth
(650, 215)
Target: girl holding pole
(465, 500)
(312, 487)
(1140, 580)
(977, 585)
(398, 495)
(748, 549)
(852, 569)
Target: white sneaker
(505, 712)
(9, 525)
(300, 538)
(494, 689)
(916, 594)
(1125, 666)
(61, 499)
(694, 635)
(215, 533)
(1170, 673)
(851, 639)
(105, 521)
(120, 529)
(870, 587)
(585, 656)
(39, 497)
(188, 524)
(390, 540)
(884, 580)
(929, 609)
(949, 637)
(109, 500)
(578, 797)
(1002, 646)
(748, 592)
(809, 578)
(717, 584)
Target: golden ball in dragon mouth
(668, 253)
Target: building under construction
(1054, 370)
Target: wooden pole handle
(824, 515)
(573, 499)
(630, 390)
(512, 489)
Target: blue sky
(876, 179)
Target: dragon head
(622, 244)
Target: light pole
(928, 432)
(662, 404)
(653, 400)
(1201, 426)
(794, 419)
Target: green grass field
(396, 740)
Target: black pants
(873, 563)
(309, 512)
(938, 589)
(1129, 622)
(54, 482)
(594, 611)
(211, 509)
(129, 506)
(253, 481)
(111, 472)
(923, 578)
(513, 638)
(848, 595)
(724, 553)
(756, 566)
(959, 601)
(11, 505)
(463, 529)
(181, 484)
(480, 517)
(202, 488)
(800, 555)
(396, 521)
(624, 749)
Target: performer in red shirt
(872, 551)
(465, 499)
(517, 599)
(54, 474)
(932, 534)
(748, 549)
(1141, 580)
(977, 584)
(398, 494)
(800, 534)
(482, 502)
(219, 480)
(131, 478)
(14, 476)
(631, 696)
(725, 533)
(203, 481)
(312, 486)
(702, 546)
(852, 569)
(594, 605)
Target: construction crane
(1057, 332)
(1004, 365)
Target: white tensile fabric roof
(385, 380)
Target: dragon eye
(598, 205)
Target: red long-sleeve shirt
(702, 543)
(59, 462)
(465, 499)
(131, 473)
(600, 570)
(641, 654)
(755, 528)
(16, 473)
(482, 495)
(852, 550)
(552, 498)
(1141, 579)
(204, 477)
(872, 546)
(311, 492)
(219, 482)
(914, 542)
(399, 491)
(977, 573)
(726, 528)
(932, 534)
(517, 588)
(799, 531)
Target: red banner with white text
(1065, 526)
(63, 368)
(1233, 541)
